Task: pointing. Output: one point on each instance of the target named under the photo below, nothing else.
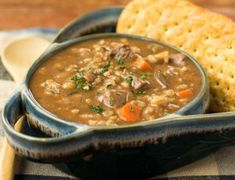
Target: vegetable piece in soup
(115, 81)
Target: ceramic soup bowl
(138, 150)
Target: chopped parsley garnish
(139, 92)
(79, 81)
(122, 67)
(106, 67)
(72, 92)
(109, 86)
(120, 61)
(111, 102)
(129, 79)
(131, 109)
(165, 113)
(96, 109)
(144, 75)
(98, 94)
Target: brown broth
(102, 71)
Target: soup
(115, 81)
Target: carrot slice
(142, 65)
(130, 112)
(184, 93)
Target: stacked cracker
(207, 36)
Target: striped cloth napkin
(219, 165)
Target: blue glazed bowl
(136, 151)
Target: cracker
(208, 36)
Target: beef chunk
(90, 76)
(139, 84)
(177, 59)
(122, 52)
(114, 98)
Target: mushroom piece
(160, 78)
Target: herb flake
(138, 92)
(144, 75)
(98, 109)
(98, 94)
(111, 102)
(122, 67)
(79, 81)
(131, 108)
(120, 61)
(109, 86)
(106, 67)
(129, 79)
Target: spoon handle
(7, 153)
(7, 156)
(17, 65)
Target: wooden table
(56, 13)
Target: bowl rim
(55, 48)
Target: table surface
(56, 13)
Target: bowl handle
(102, 20)
(214, 122)
(47, 149)
(19, 104)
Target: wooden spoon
(17, 56)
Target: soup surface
(115, 81)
